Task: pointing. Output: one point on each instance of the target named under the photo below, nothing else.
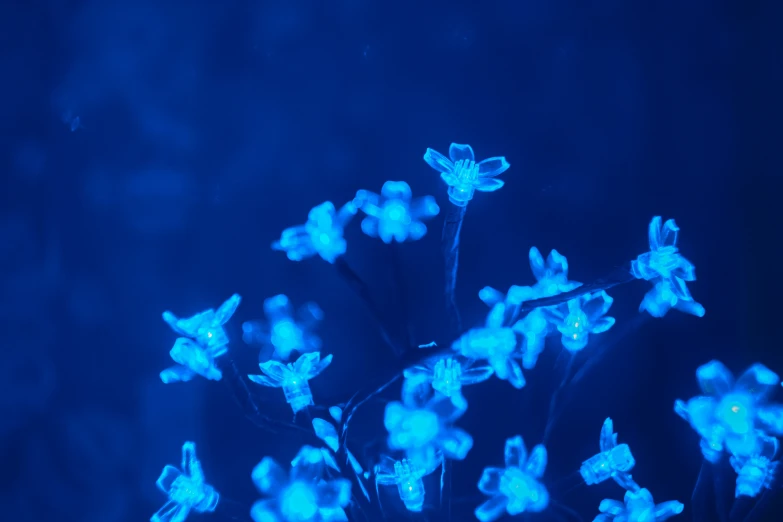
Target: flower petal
(334, 493)
(596, 305)
(714, 378)
(492, 509)
(455, 443)
(461, 152)
(603, 324)
(264, 511)
(489, 484)
(476, 375)
(654, 233)
(277, 371)
(669, 233)
(607, 440)
(308, 465)
(515, 376)
(450, 179)
(488, 184)
(304, 364)
(536, 463)
(227, 309)
(759, 381)
(491, 167)
(438, 161)
(268, 476)
(537, 265)
(515, 453)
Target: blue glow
(448, 375)
(302, 495)
(638, 506)
(393, 215)
(580, 317)
(407, 476)
(667, 270)
(614, 461)
(293, 378)
(495, 344)
(284, 332)
(186, 489)
(204, 341)
(754, 474)
(425, 431)
(516, 488)
(735, 416)
(464, 175)
(322, 234)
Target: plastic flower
(392, 215)
(302, 495)
(205, 340)
(494, 343)
(186, 489)
(733, 415)
(293, 377)
(667, 270)
(426, 432)
(754, 474)
(448, 375)
(322, 234)
(463, 174)
(282, 331)
(614, 461)
(580, 317)
(638, 506)
(407, 476)
(516, 488)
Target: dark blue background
(205, 128)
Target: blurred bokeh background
(152, 150)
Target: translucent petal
(492, 509)
(326, 432)
(496, 315)
(537, 265)
(425, 206)
(771, 418)
(396, 190)
(488, 184)
(493, 166)
(476, 374)
(536, 462)
(611, 507)
(669, 233)
(455, 443)
(268, 476)
(758, 381)
(438, 161)
(264, 511)
(305, 363)
(263, 380)
(489, 296)
(190, 463)
(320, 366)
(668, 509)
(308, 465)
(490, 480)
(227, 309)
(171, 512)
(385, 478)
(515, 376)
(515, 453)
(607, 441)
(461, 152)
(603, 324)
(596, 305)
(654, 233)
(450, 179)
(333, 494)
(176, 373)
(276, 371)
(714, 378)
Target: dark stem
(452, 227)
(363, 291)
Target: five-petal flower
(293, 377)
(580, 317)
(448, 375)
(638, 506)
(517, 488)
(303, 494)
(322, 234)
(667, 270)
(204, 340)
(186, 489)
(393, 215)
(282, 331)
(614, 461)
(463, 174)
(407, 476)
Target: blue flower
(449, 375)
(302, 495)
(614, 461)
(754, 474)
(322, 234)
(463, 175)
(293, 377)
(425, 432)
(639, 506)
(204, 340)
(281, 331)
(407, 476)
(667, 270)
(733, 415)
(517, 488)
(186, 489)
(392, 215)
(580, 317)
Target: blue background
(205, 128)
